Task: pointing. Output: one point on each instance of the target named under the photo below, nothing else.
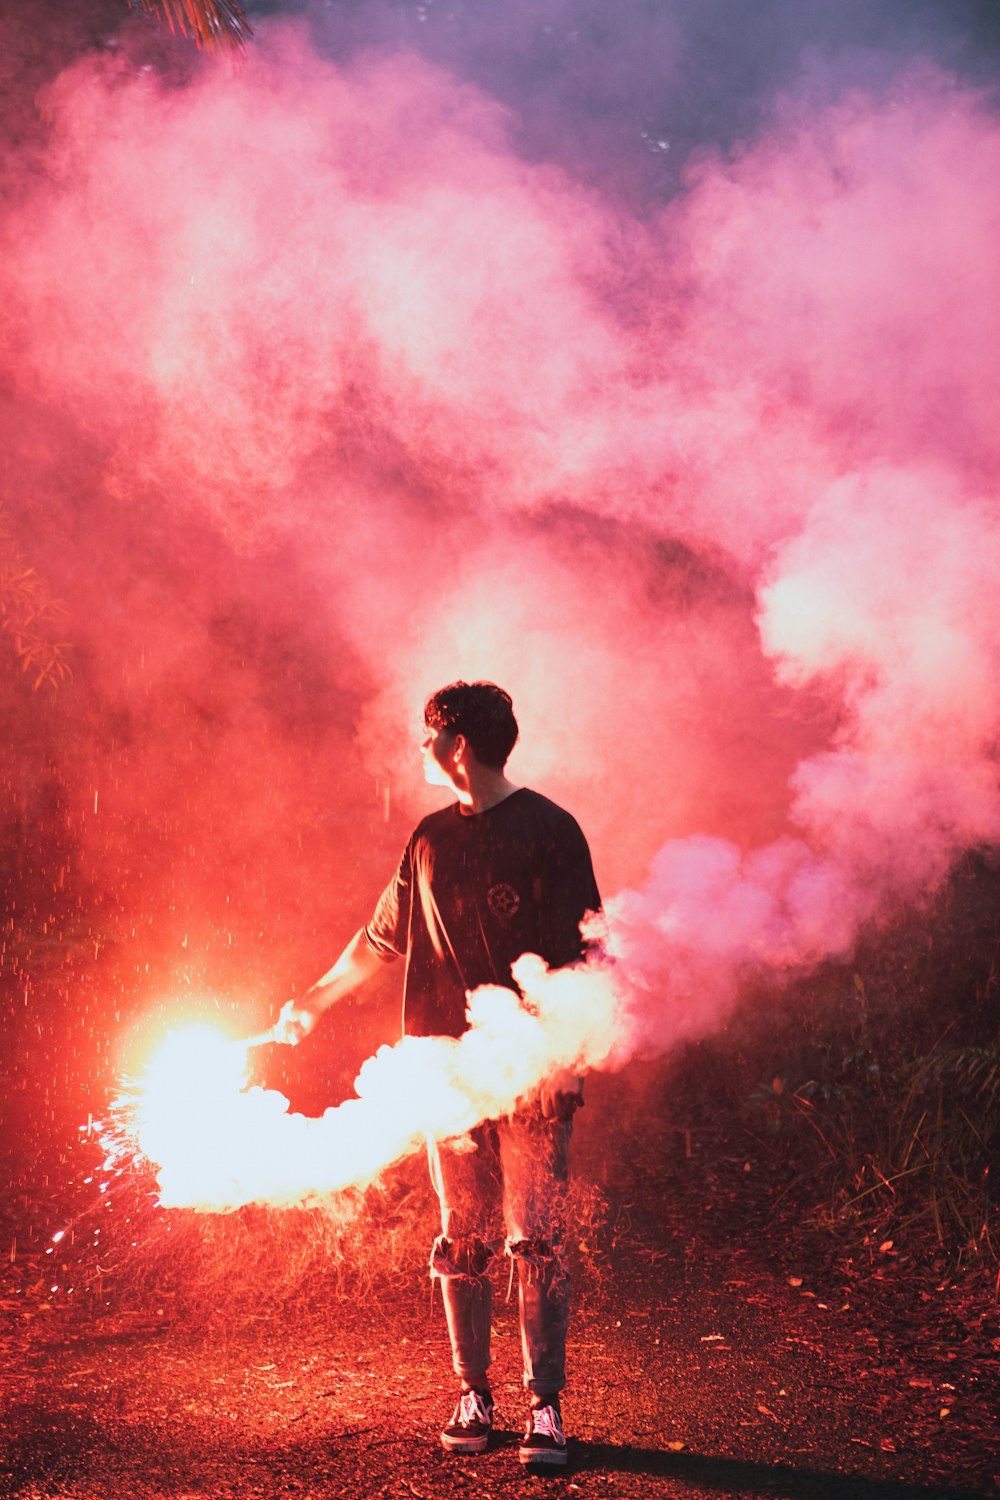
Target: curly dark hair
(481, 711)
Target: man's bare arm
(358, 962)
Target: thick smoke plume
(337, 397)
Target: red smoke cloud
(710, 492)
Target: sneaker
(471, 1424)
(544, 1440)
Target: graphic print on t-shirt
(503, 899)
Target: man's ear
(459, 747)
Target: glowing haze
(708, 484)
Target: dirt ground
(718, 1348)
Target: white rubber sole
(555, 1458)
(465, 1445)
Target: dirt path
(712, 1354)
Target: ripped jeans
(520, 1165)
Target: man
(500, 872)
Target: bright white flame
(218, 1145)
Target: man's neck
(483, 790)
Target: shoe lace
(546, 1422)
(472, 1409)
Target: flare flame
(218, 1145)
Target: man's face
(437, 749)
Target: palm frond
(30, 616)
(213, 24)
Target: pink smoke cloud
(709, 491)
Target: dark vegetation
(214, 24)
(875, 1089)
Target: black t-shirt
(474, 892)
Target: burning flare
(669, 962)
(218, 1145)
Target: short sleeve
(388, 930)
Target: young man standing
(500, 872)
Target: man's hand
(296, 1019)
(560, 1095)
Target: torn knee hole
(533, 1252)
(460, 1257)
